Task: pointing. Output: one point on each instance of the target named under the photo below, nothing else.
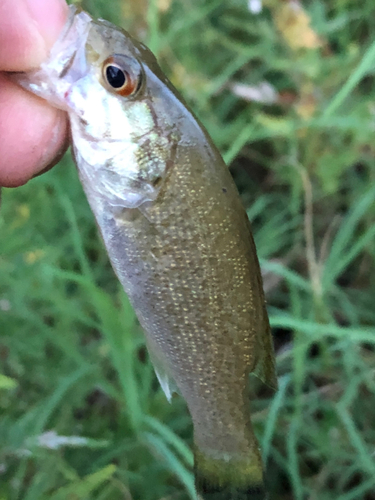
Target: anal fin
(265, 368)
(160, 366)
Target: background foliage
(288, 96)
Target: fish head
(125, 115)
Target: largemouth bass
(177, 235)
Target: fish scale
(178, 239)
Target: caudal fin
(207, 491)
(229, 479)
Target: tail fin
(219, 479)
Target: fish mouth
(65, 64)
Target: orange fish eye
(119, 79)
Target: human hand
(33, 135)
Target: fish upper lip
(68, 65)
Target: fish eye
(122, 75)
(115, 76)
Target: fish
(177, 236)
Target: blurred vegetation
(288, 95)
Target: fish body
(177, 235)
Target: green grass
(81, 413)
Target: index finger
(27, 30)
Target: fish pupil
(115, 76)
